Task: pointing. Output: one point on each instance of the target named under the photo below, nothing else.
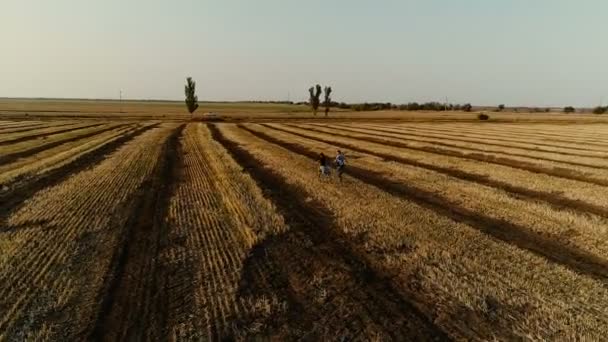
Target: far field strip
(44, 133)
(481, 141)
(19, 124)
(481, 134)
(541, 132)
(549, 159)
(28, 128)
(477, 199)
(565, 173)
(589, 131)
(12, 153)
(420, 247)
(55, 253)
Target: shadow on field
(332, 289)
(552, 248)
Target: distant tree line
(413, 106)
(600, 110)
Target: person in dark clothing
(323, 168)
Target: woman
(323, 168)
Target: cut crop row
(571, 174)
(55, 253)
(450, 271)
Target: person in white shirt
(340, 164)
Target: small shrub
(483, 117)
(569, 109)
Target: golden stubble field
(153, 230)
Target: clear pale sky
(517, 52)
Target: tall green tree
(315, 94)
(191, 98)
(327, 101)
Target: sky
(487, 52)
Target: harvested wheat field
(192, 231)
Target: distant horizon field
(254, 111)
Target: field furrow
(566, 173)
(133, 304)
(553, 188)
(220, 231)
(343, 276)
(555, 160)
(18, 151)
(415, 242)
(57, 252)
(543, 132)
(474, 141)
(31, 127)
(43, 133)
(535, 227)
(14, 194)
(23, 168)
(502, 137)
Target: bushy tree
(569, 109)
(191, 98)
(467, 107)
(600, 110)
(315, 94)
(501, 107)
(327, 102)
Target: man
(340, 164)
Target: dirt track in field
(546, 246)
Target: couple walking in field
(340, 162)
